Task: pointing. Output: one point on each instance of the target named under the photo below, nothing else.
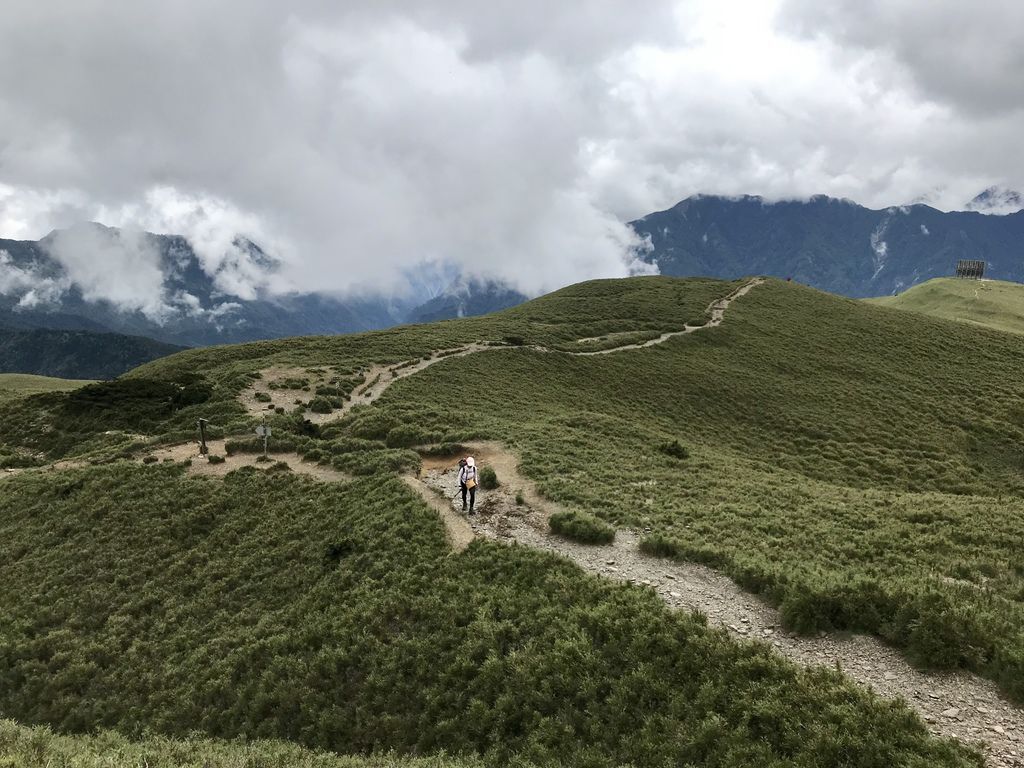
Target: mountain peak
(997, 200)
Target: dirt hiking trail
(958, 705)
(378, 378)
(201, 465)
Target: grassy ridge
(22, 384)
(334, 616)
(991, 304)
(861, 467)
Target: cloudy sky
(363, 141)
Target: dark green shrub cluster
(377, 461)
(488, 478)
(408, 435)
(445, 449)
(320, 405)
(213, 458)
(582, 527)
(675, 449)
(262, 397)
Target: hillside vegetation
(858, 465)
(76, 354)
(990, 303)
(40, 747)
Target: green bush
(582, 527)
(408, 435)
(214, 459)
(320, 405)
(488, 478)
(262, 397)
(675, 449)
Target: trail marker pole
(203, 450)
(263, 431)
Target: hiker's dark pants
(472, 495)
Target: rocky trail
(957, 705)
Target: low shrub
(675, 449)
(215, 459)
(659, 545)
(582, 527)
(407, 435)
(445, 449)
(488, 478)
(262, 397)
(320, 405)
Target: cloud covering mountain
(362, 144)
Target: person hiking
(467, 481)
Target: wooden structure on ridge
(970, 269)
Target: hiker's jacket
(465, 473)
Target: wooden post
(203, 450)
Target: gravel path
(957, 705)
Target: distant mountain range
(37, 290)
(59, 283)
(835, 245)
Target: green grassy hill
(859, 466)
(22, 384)
(989, 303)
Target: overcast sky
(359, 141)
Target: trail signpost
(203, 450)
(263, 431)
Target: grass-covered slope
(862, 467)
(23, 384)
(334, 616)
(40, 747)
(859, 465)
(989, 303)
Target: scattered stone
(951, 712)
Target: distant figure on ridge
(467, 481)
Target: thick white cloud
(360, 143)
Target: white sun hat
(470, 461)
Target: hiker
(467, 481)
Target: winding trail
(378, 378)
(958, 705)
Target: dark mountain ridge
(831, 244)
